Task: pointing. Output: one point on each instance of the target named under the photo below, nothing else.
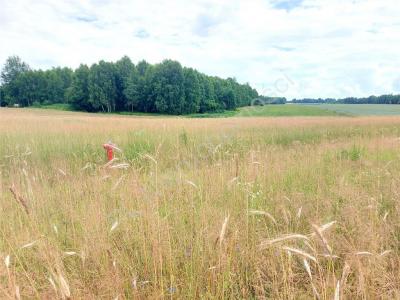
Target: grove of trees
(166, 87)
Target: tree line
(264, 100)
(384, 99)
(166, 87)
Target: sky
(289, 48)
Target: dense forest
(384, 99)
(166, 87)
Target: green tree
(142, 68)
(12, 68)
(131, 91)
(192, 91)
(66, 75)
(145, 99)
(55, 87)
(26, 84)
(168, 86)
(124, 69)
(102, 87)
(229, 95)
(147, 93)
(79, 91)
(208, 101)
(2, 99)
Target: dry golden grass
(278, 208)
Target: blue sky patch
(287, 5)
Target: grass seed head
(319, 234)
(29, 245)
(114, 226)
(7, 261)
(300, 252)
(64, 287)
(262, 213)
(266, 243)
(223, 230)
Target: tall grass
(221, 208)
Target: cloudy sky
(291, 48)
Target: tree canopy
(166, 87)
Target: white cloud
(293, 48)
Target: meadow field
(362, 109)
(290, 110)
(219, 208)
(277, 110)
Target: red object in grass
(109, 150)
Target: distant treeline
(264, 100)
(384, 99)
(166, 87)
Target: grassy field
(236, 208)
(250, 111)
(319, 110)
(362, 109)
(272, 111)
(287, 110)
